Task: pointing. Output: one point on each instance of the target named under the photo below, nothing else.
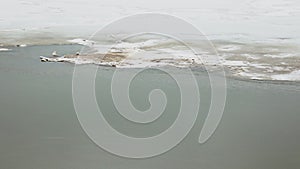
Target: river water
(39, 127)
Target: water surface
(39, 129)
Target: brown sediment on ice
(109, 57)
(119, 60)
(98, 58)
(171, 60)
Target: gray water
(39, 129)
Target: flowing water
(39, 128)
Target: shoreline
(279, 68)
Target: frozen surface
(272, 20)
(252, 38)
